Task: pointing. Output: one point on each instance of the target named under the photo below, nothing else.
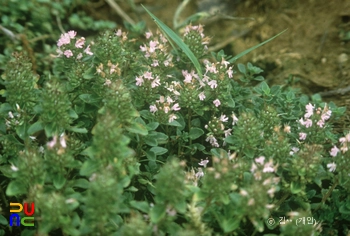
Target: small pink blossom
(139, 81)
(320, 123)
(302, 136)
(72, 34)
(119, 33)
(155, 82)
(334, 151)
(68, 53)
(147, 75)
(260, 160)
(227, 132)
(153, 108)
(217, 102)
(201, 96)
(230, 72)
(309, 108)
(155, 63)
(152, 46)
(224, 63)
(80, 42)
(213, 84)
(87, 50)
(308, 123)
(148, 34)
(325, 116)
(176, 107)
(63, 40)
(268, 167)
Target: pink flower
(87, 50)
(268, 167)
(225, 63)
(217, 102)
(230, 72)
(155, 82)
(80, 42)
(176, 107)
(326, 116)
(119, 33)
(152, 46)
(211, 68)
(260, 160)
(188, 78)
(64, 39)
(308, 123)
(148, 34)
(68, 53)
(153, 108)
(201, 96)
(213, 84)
(302, 136)
(155, 63)
(139, 81)
(172, 117)
(71, 34)
(334, 151)
(309, 108)
(320, 123)
(147, 75)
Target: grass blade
(172, 36)
(254, 47)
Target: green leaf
(37, 126)
(159, 150)
(5, 107)
(152, 126)
(265, 88)
(151, 156)
(16, 187)
(150, 140)
(77, 130)
(59, 181)
(3, 220)
(89, 167)
(172, 36)
(241, 68)
(142, 206)
(137, 128)
(89, 98)
(254, 47)
(295, 187)
(157, 213)
(81, 183)
(195, 133)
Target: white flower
(14, 168)
(302, 136)
(176, 107)
(234, 118)
(203, 163)
(153, 108)
(223, 118)
(213, 84)
(331, 166)
(172, 117)
(260, 160)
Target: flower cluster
(216, 128)
(311, 116)
(165, 106)
(68, 50)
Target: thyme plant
(125, 137)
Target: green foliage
(123, 137)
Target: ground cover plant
(130, 137)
